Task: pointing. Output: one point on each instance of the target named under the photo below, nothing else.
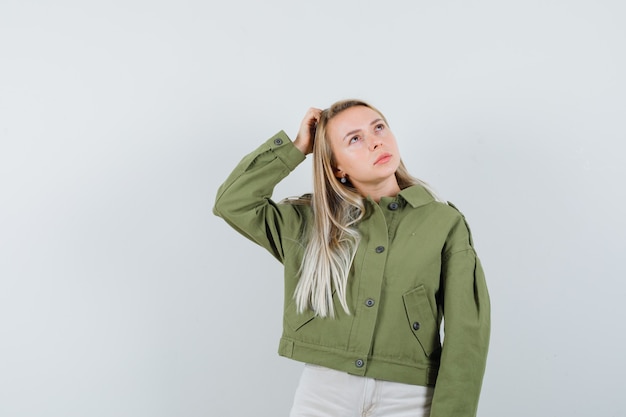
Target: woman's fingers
(306, 134)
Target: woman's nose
(375, 143)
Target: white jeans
(324, 392)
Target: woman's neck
(388, 188)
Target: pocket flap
(296, 320)
(421, 320)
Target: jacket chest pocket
(421, 320)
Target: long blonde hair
(337, 208)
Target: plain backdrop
(122, 295)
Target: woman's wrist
(301, 147)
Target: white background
(122, 295)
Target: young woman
(374, 263)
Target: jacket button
(369, 302)
(278, 141)
(416, 326)
(359, 363)
(380, 249)
(393, 206)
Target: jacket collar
(416, 196)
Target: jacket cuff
(285, 150)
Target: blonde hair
(337, 208)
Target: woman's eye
(354, 139)
(380, 127)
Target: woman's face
(364, 147)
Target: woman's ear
(339, 173)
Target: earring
(343, 180)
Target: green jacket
(415, 266)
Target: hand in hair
(306, 134)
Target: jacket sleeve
(244, 199)
(466, 312)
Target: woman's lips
(383, 158)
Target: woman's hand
(306, 134)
